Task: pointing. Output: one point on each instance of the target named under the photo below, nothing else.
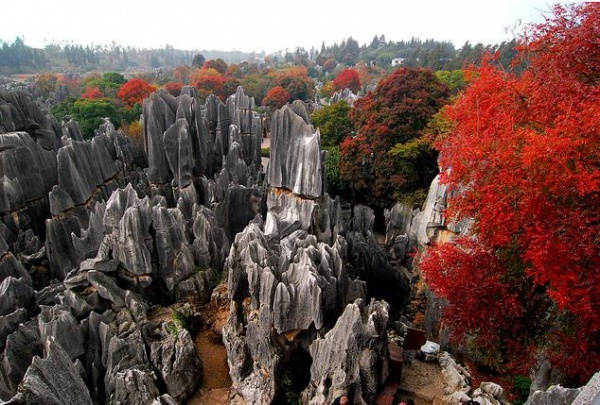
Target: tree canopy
(522, 162)
(393, 117)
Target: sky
(263, 25)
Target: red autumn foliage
(210, 83)
(523, 159)
(135, 91)
(218, 64)
(295, 80)
(92, 93)
(182, 73)
(174, 88)
(347, 79)
(394, 114)
(276, 97)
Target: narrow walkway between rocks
(215, 379)
(422, 382)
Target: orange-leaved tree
(276, 97)
(523, 160)
(347, 79)
(135, 91)
(295, 80)
(92, 93)
(209, 81)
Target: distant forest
(17, 57)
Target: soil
(215, 379)
(422, 382)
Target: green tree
(334, 123)
(198, 60)
(91, 113)
(453, 79)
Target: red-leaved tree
(92, 93)
(389, 157)
(523, 159)
(347, 79)
(276, 97)
(135, 91)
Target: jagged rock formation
(89, 241)
(287, 281)
(45, 381)
(295, 156)
(347, 95)
(337, 369)
(367, 260)
(282, 291)
(590, 393)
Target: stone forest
(115, 255)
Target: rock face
(178, 365)
(590, 393)
(295, 157)
(555, 395)
(337, 369)
(282, 291)
(89, 241)
(46, 380)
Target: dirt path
(422, 382)
(215, 379)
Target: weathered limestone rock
(11, 267)
(88, 242)
(590, 393)
(295, 160)
(490, 393)
(293, 286)
(14, 294)
(21, 347)
(72, 130)
(248, 123)
(58, 324)
(457, 379)
(177, 139)
(59, 245)
(134, 386)
(175, 260)
(129, 377)
(53, 380)
(60, 201)
(397, 229)
(368, 259)
(27, 171)
(555, 395)
(10, 322)
(77, 305)
(197, 288)
(211, 245)
(107, 288)
(19, 112)
(351, 356)
(178, 365)
(347, 95)
(159, 114)
(128, 220)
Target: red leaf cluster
(276, 97)
(347, 79)
(135, 91)
(92, 93)
(395, 113)
(524, 156)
